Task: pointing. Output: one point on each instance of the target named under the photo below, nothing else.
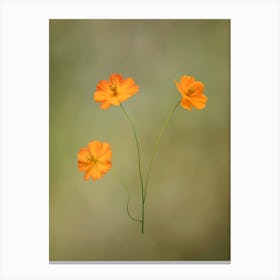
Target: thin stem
(139, 164)
(128, 199)
(128, 212)
(156, 145)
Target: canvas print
(139, 140)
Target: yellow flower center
(114, 89)
(92, 159)
(190, 91)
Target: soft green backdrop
(188, 201)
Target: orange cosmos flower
(114, 91)
(192, 93)
(95, 160)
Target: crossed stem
(155, 149)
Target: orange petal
(84, 155)
(105, 105)
(103, 166)
(96, 172)
(116, 79)
(128, 82)
(105, 156)
(186, 82)
(104, 148)
(129, 90)
(199, 98)
(100, 96)
(103, 85)
(198, 103)
(92, 173)
(124, 96)
(186, 103)
(95, 147)
(84, 166)
(178, 87)
(198, 87)
(86, 176)
(198, 106)
(114, 100)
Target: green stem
(128, 212)
(128, 200)
(139, 165)
(156, 145)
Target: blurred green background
(187, 213)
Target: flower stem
(156, 145)
(128, 212)
(139, 165)
(128, 200)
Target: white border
(254, 130)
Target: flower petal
(84, 155)
(186, 103)
(128, 90)
(200, 97)
(105, 147)
(84, 166)
(114, 100)
(127, 83)
(186, 82)
(103, 85)
(94, 148)
(199, 102)
(93, 173)
(87, 175)
(103, 166)
(126, 93)
(116, 79)
(198, 105)
(99, 150)
(100, 96)
(198, 87)
(105, 105)
(178, 87)
(105, 156)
